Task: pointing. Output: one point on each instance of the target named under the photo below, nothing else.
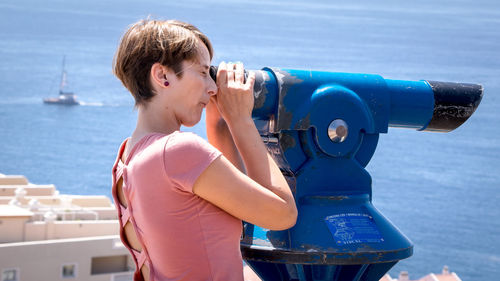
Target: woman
(181, 199)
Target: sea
(442, 190)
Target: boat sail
(65, 98)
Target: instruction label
(353, 228)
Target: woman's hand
(212, 114)
(235, 97)
(219, 135)
(261, 197)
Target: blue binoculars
(322, 129)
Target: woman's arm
(263, 197)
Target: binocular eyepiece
(213, 73)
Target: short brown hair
(153, 41)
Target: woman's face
(193, 89)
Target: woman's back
(182, 236)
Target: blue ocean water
(441, 190)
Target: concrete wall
(35, 231)
(81, 201)
(31, 190)
(100, 213)
(44, 260)
(105, 213)
(45, 200)
(12, 229)
(12, 223)
(13, 179)
(69, 229)
(18, 229)
(91, 200)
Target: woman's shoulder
(187, 142)
(181, 146)
(162, 139)
(145, 147)
(173, 141)
(186, 156)
(185, 137)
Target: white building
(48, 236)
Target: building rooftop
(14, 211)
(75, 236)
(32, 212)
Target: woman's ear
(159, 76)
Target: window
(10, 274)
(69, 270)
(110, 264)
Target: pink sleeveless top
(183, 236)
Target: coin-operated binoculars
(322, 129)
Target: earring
(166, 82)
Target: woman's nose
(212, 88)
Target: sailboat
(65, 98)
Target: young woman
(181, 199)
